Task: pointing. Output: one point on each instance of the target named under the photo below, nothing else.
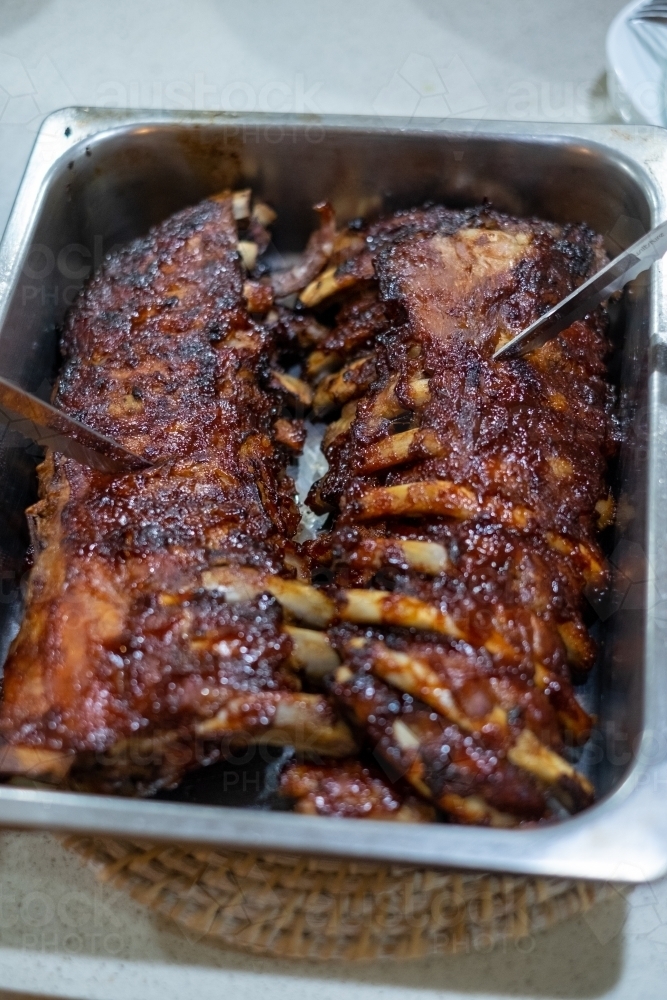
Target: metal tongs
(43, 423)
(611, 278)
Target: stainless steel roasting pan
(97, 178)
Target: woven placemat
(318, 908)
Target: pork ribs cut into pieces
(128, 669)
(465, 497)
(352, 790)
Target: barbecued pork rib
(350, 789)
(465, 494)
(125, 661)
(354, 250)
(467, 776)
(342, 364)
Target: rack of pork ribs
(418, 653)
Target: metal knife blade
(43, 423)
(611, 278)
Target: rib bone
(570, 713)
(305, 721)
(319, 249)
(312, 652)
(299, 599)
(474, 811)
(320, 362)
(359, 606)
(377, 607)
(241, 204)
(351, 381)
(593, 568)
(339, 427)
(328, 283)
(531, 755)
(430, 558)
(400, 448)
(248, 251)
(417, 499)
(35, 762)
(295, 387)
(437, 496)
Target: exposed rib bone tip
(312, 651)
(249, 252)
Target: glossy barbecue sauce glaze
(120, 638)
(501, 467)
(464, 498)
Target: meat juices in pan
(131, 666)
(465, 498)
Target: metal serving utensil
(611, 278)
(43, 423)
(654, 10)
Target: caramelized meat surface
(121, 638)
(350, 789)
(465, 496)
(466, 775)
(436, 626)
